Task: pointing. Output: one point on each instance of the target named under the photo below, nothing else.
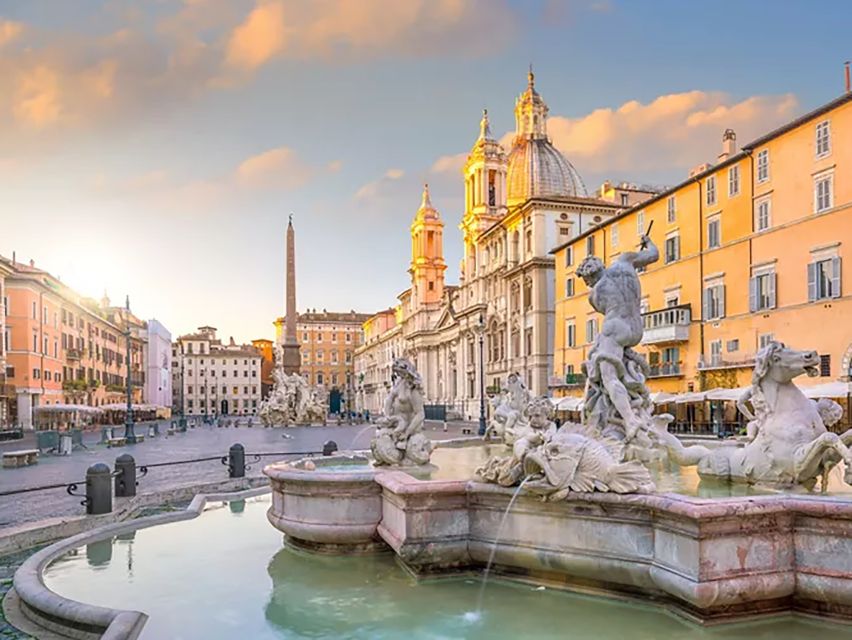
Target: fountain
(291, 400)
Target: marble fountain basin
(711, 559)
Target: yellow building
(751, 249)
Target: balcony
(717, 362)
(666, 370)
(73, 355)
(667, 325)
(568, 381)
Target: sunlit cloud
(258, 38)
(449, 163)
(377, 188)
(9, 30)
(674, 131)
(276, 168)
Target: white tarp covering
(51, 408)
(661, 397)
(697, 396)
(726, 394)
(570, 404)
(829, 390)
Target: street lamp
(129, 427)
(481, 328)
(182, 419)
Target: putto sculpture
(557, 462)
(617, 403)
(291, 400)
(399, 439)
(509, 417)
(789, 443)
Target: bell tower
(427, 253)
(484, 191)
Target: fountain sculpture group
(292, 401)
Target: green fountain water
(226, 574)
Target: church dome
(537, 169)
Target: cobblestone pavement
(202, 441)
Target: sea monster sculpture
(557, 462)
(399, 439)
(789, 443)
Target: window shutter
(721, 289)
(705, 307)
(752, 295)
(812, 283)
(677, 247)
(772, 278)
(835, 277)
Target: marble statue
(399, 439)
(552, 463)
(617, 403)
(788, 442)
(291, 400)
(509, 420)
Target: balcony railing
(568, 380)
(666, 369)
(667, 325)
(73, 354)
(718, 362)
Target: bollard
(98, 489)
(237, 461)
(125, 476)
(329, 448)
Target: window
(304, 336)
(570, 334)
(763, 165)
(734, 180)
(672, 249)
(671, 210)
(824, 279)
(733, 345)
(36, 374)
(762, 292)
(613, 237)
(763, 216)
(591, 330)
(590, 246)
(319, 337)
(625, 199)
(714, 233)
(569, 256)
(569, 287)
(35, 343)
(823, 139)
(711, 191)
(319, 377)
(714, 302)
(764, 339)
(825, 366)
(35, 312)
(823, 192)
(716, 352)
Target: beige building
(7, 393)
(211, 378)
(327, 343)
(518, 206)
(374, 358)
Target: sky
(156, 148)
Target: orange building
(62, 348)
(264, 347)
(751, 249)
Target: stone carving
(291, 400)
(557, 462)
(399, 439)
(788, 444)
(508, 419)
(617, 403)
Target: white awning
(697, 396)
(726, 394)
(51, 408)
(835, 389)
(570, 404)
(661, 397)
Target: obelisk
(291, 359)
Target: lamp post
(182, 419)
(129, 426)
(481, 328)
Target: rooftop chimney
(32, 262)
(729, 144)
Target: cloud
(259, 37)
(37, 100)
(449, 163)
(379, 188)
(276, 168)
(672, 132)
(9, 30)
(334, 166)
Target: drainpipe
(701, 267)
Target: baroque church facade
(518, 206)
